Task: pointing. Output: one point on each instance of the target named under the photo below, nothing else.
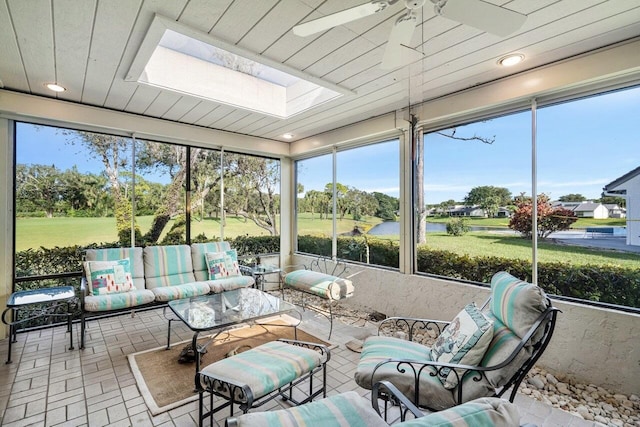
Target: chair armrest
(418, 367)
(322, 349)
(84, 290)
(386, 391)
(432, 327)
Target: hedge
(605, 283)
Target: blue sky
(582, 146)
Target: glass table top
(34, 296)
(227, 308)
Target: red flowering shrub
(550, 219)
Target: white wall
(590, 345)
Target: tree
(613, 200)
(387, 206)
(342, 204)
(452, 133)
(550, 219)
(488, 195)
(572, 198)
(111, 150)
(40, 185)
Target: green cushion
(517, 304)
(379, 348)
(119, 301)
(323, 285)
(345, 409)
(186, 290)
(483, 412)
(265, 368)
(167, 266)
(197, 256)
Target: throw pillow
(108, 277)
(463, 341)
(222, 264)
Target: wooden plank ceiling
(88, 46)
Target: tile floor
(49, 385)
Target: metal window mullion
(334, 239)
(534, 194)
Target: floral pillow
(108, 277)
(464, 341)
(222, 264)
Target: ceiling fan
(475, 13)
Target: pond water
(393, 227)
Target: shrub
(550, 219)
(457, 227)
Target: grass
(51, 232)
(511, 246)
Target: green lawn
(51, 232)
(511, 246)
(315, 226)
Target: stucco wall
(590, 345)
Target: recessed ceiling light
(55, 87)
(510, 60)
(287, 136)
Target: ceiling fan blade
(397, 52)
(339, 18)
(483, 16)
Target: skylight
(179, 59)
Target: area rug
(166, 384)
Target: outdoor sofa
(154, 275)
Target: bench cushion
(119, 301)
(186, 290)
(230, 283)
(320, 284)
(265, 368)
(345, 409)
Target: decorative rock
(537, 382)
(563, 388)
(551, 379)
(601, 419)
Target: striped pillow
(517, 304)
(463, 341)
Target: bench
(155, 275)
(322, 278)
(257, 376)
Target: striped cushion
(236, 282)
(493, 412)
(118, 301)
(502, 345)
(346, 409)
(265, 368)
(379, 348)
(515, 303)
(197, 255)
(187, 290)
(167, 266)
(323, 285)
(136, 264)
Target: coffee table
(219, 312)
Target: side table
(49, 298)
(259, 272)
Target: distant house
(503, 213)
(616, 211)
(591, 210)
(628, 186)
(466, 211)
